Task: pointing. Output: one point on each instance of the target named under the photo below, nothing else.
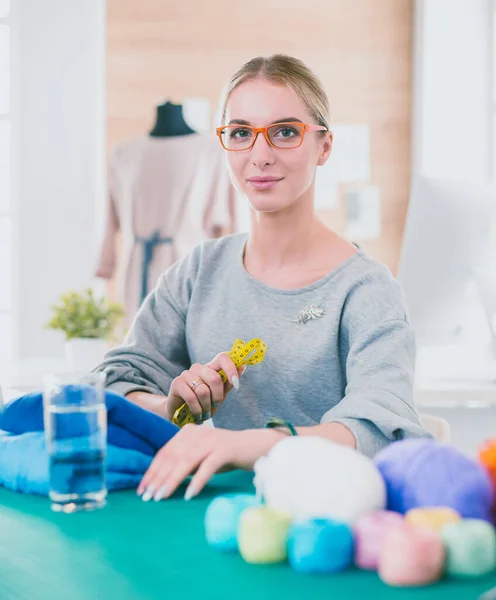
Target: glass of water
(75, 419)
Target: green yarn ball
(470, 548)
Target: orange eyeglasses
(283, 136)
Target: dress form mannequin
(170, 121)
(168, 190)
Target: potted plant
(88, 323)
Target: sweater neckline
(254, 282)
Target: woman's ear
(325, 149)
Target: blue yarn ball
(320, 546)
(428, 473)
(222, 519)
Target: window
(6, 319)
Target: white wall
(61, 160)
(470, 427)
(452, 125)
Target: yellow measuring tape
(241, 353)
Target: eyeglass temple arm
(316, 128)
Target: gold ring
(194, 384)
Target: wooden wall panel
(361, 49)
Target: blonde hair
(285, 70)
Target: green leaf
(81, 314)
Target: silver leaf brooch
(309, 313)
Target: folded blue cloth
(24, 464)
(134, 435)
(129, 426)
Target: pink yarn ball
(369, 532)
(411, 556)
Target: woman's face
(287, 175)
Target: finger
(167, 484)
(201, 391)
(181, 392)
(224, 361)
(166, 457)
(208, 467)
(163, 460)
(227, 386)
(226, 389)
(158, 487)
(215, 383)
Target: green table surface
(132, 550)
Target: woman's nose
(262, 154)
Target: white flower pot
(82, 354)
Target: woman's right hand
(202, 389)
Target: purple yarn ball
(427, 473)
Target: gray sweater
(354, 364)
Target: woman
(340, 348)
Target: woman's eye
(286, 132)
(239, 133)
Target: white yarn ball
(311, 477)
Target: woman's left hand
(203, 451)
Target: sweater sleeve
(378, 349)
(154, 351)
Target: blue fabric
(134, 436)
(24, 464)
(129, 426)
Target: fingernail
(215, 404)
(207, 415)
(243, 371)
(160, 493)
(198, 418)
(149, 492)
(141, 489)
(235, 382)
(190, 493)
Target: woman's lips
(264, 183)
